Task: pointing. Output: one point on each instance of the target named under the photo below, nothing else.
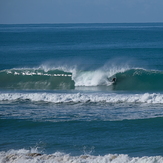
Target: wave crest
(49, 79)
(35, 79)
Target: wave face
(33, 156)
(35, 79)
(139, 79)
(126, 79)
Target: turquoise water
(57, 99)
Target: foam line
(27, 156)
(83, 98)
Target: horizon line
(81, 23)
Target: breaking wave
(126, 79)
(33, 156)
(152, 98)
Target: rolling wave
(35, 79)
(151, 98)
(135, 79)
(33, 156)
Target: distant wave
(34, 156)
(126, 79)
(153, 98)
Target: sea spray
(133, 79)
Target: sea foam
(152, 98)
(26, 156)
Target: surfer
(114, 80)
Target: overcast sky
(80, 11)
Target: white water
(153, 98)
(95, 77)
(99, 76)
(32, 156)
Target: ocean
(58, 103)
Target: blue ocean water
(58, 102)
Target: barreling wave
(135, 79)
(130, 79)
(52, 78)
(35, 79)
(33, 156)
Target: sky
(80, 11)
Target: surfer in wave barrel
(114, 80)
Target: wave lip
(154, 98)
(23, 155)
